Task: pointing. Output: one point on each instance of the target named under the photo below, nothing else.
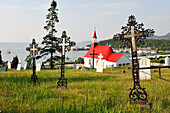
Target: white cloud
(119, 5)
(158, 18)
(41, 7)
(9, 7)
(116, 7)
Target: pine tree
(50, 39)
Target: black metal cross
(34, 51)
(93, 58)
(134, 33)
(64, 44)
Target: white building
(109, 57)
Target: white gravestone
(144, 73)
(167, 61)
(83, 69)
(77, 67)
(9, 65)
(100, 64)
(74, 66)
(38, 67)
(19, 66)
(25, 66)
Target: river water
(19, 49)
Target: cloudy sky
(22, 20)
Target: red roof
(94, 35)
(107, 53)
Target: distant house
(109, 57)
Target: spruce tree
(49, 39)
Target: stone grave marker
(38, 67)
(100, 64)
(144, 73)
(112, 67)
(25, 66)
(74, 66)
(91, 67)
(167, 61)
(9, 65)
(19, 66)
(83, 69)
(77, 67)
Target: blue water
(19, 49)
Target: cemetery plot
(88, 91)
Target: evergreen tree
(29, 60)
(14, 62)
(50, 39)
(0, 58)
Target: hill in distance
(165, 37)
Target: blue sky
(22, 20)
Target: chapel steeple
(94, 43)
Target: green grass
(88, 91)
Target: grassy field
(88, 91)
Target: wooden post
(159, 72)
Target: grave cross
(64, 44)
(133, 33)
(132, 36)
(34, 51)
(93, 58)
(100, 56)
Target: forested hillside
(155, 44)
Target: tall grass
(87, 92)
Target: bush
(162, 61)
(14, 62)
(0, 58)
(80, 60)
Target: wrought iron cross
(64, 44)
(135, 33)
(93, 58)
(34, 51)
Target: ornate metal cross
(93, 58)
(34, 51)
(64, 44)
(134, 33)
